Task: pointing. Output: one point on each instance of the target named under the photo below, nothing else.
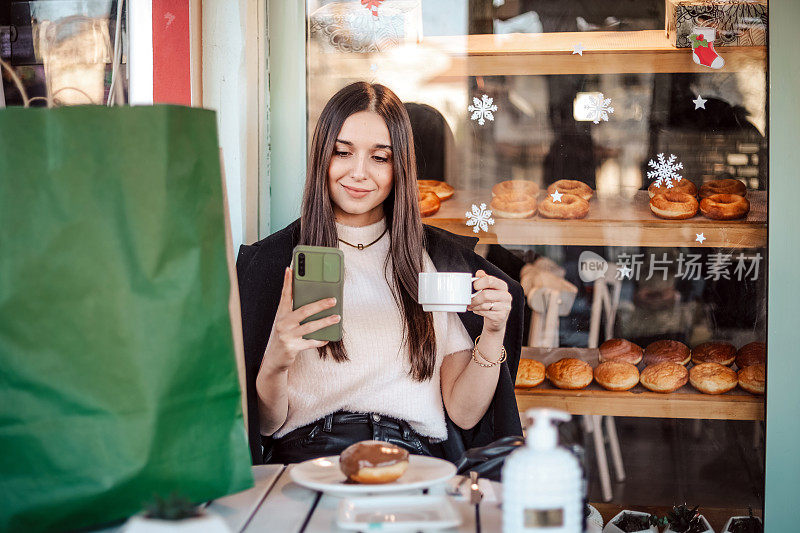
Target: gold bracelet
(503, 355)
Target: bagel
(570, 206)
(724, 186)
(513, 205)
(528, 187)
(673, 205)
(683, 185)
(442, 189)
(725, 206)
(429, 203)
(575, 187)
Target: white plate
(395, 513)
(324, 475)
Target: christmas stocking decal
(703, 52)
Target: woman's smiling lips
(356, 193)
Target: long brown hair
(317, 222)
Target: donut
(528, 187)
(442, 189)
(513, 205)
(570, 206)
(373, 462)
(667, 351)
(673, 205)
(428, 203)
(620, 351)
(725, 206)
(578, 188)
(616, 376)
(754, 353)
(725, 186)
(529, 374)
(714, 352)
(570, 374)
(753, 378)
(664, 377)
(712, 378)
(679, 186)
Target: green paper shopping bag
(118, 379)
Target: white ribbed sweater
(376, 378)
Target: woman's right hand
(286, 338)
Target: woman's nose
(360, 168)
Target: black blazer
(260, 268)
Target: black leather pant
(332, 434)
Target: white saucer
(397, 513)
(324, 475)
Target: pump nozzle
(542, 434)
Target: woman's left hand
(493, 301)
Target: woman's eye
(340, 153)
(380, 158)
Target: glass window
(64, 51)
(658, 234)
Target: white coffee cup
(445, 291)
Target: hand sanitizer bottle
(542, 486)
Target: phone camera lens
(301, 264)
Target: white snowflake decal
(482, 109)
(480, 217)
(599, 108)
(665, 171)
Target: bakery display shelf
(686, 402)
(611, 222)
(450, 58)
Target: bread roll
(530, 373)
(570, 374)
(664, 377)
(754, 353)
(667, 351)
(714, 352)
(712, 378)
(753, 378)
(620, 351)
(616, 376)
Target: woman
(399, 373)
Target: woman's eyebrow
(378, 146)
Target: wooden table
(276, 503)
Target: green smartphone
(318, 273)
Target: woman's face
(360, 174)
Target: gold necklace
(362, 246)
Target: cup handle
(474, 294)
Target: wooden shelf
(686, 402)
(545, 53)
(610, 222)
